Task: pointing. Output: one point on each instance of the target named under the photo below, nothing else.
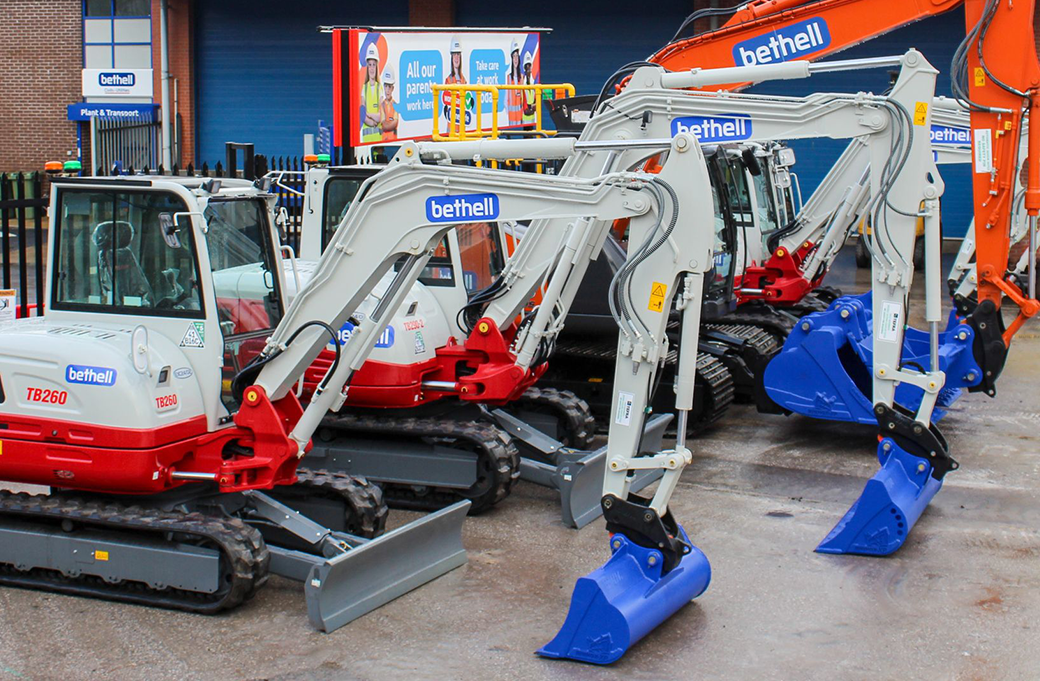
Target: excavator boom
(771, 31)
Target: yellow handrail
(457, 129)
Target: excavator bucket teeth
(351, 584)
(892, 501)
(824, 369)
(624, 600)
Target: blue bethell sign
(83, 111)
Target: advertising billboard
(383, 81)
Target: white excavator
(157, 397)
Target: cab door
(247, 281)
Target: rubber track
(497, 457)
(244, 556)
(366, 511)
(763, 342)
(712, 376)
(574, 414)
(721, 391)
(778, 325)
(604, 350)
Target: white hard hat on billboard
(456, 44)
(371, 52)
(388, 75)
(514, 47)
(528, 59)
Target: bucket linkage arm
(654, 568)
(914, 455)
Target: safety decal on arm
(983, 150)
(657, 294)
(920, 113)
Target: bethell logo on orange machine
(783, 44)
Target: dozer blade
(892, 501)
(345, 587)
(618, 604)
(577, 475)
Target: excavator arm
(997, 71)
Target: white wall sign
(117, 82)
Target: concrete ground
(961, 600)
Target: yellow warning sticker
(657, 294)
(101, 555)
(920, 113)
(980, 77)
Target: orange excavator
(769, 31)
(996, 73)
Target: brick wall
(431, 12)
(41, 55)
(179, 15)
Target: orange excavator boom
(769, 31)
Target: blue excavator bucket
(824, 368)
(624, 600)
(891, 502)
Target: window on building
(117, 8)
(117, 34)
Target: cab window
(243, 261)
(244, 281)
(481, 255)
(112, 256)
(766, 206)
(339, 194)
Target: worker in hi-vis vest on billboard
(387, 113)
(530, 96)
(514, 98)
(370, 96)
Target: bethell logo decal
(115, 79)
(722, 128)
(945, 134)
(76, 373)
(463, 206)
(783, 44)
(385, 340)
